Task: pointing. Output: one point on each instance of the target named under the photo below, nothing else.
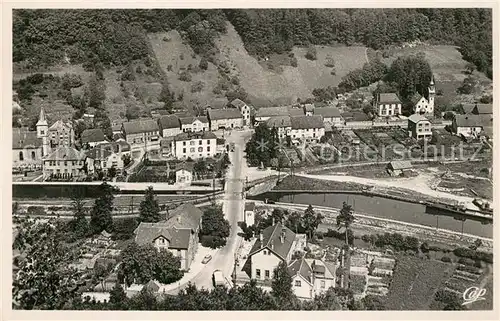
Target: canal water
(390, 209)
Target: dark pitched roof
(195, 135)
(191, 119)
(279, 121)
(22, 138)
(327, 112)
(301, 268)
(185, 216)
(415, 98)
(273, 111)
(140, 126)
(227, 113)
(400, 165)
(295, 111)
(169, 121)
(482, 109)
(355, 116)
(471, 120)
(238, 103)
(307, 122)
(250, 206)
(185, 166)
(271, 240)
(66, 153)
(387, 98)
(146, 233)
(92, 135)
(309, 107)
(152, 286)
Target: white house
(228, 118)
(388, 104)
(282, 123)
(194, 145)
(92, 137)
(307, 128)
(105, 156)
(184, 174)
(471, 125)
(169, 125)
(330, 115)
(419, 127)
(249, 213)
(425, 105)
(194, 124)
(264, 113)
(244, 110)
(311, 277)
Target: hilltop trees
(149, 209)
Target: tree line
(116, 37)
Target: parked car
(206, 259)
(218, 278)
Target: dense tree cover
(79, 224)
(215, 228)
(100, 215)
(141, 264)
(149, 209)
(346, 218)
(262, 146)
(44, 280)
(370, 73)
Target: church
(425, 105)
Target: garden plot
(462, 278)
(415, 282)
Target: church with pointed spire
(425, 105)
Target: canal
(390, 209)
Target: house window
(200, 142)
(265, 252)
(192, 149)
(200, 149)
(257, 273)
(33, 155)
(297, 283)
(162, 241)
(323, 284)
(208, 148)
(42, 132)
(267, 274)
(65, 163)
(21, 156)
(192, 142)
(73, 163)
(184, 150)
(208, 142)
(183, 143)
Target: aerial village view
(252, 159)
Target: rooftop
(415, 118)
(23, 138)
(307, 122)
(227, 113)
(279, 121)
(472, 120)
(327, 112)
(387, 98)
(195, 135)
(301, 268)
(92, 136)
(169, 121)
(400, 165)
(271, 239)
(140, 126)
(65, 153)
(238, 103)
(250, 206)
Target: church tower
(432, 96)
(42, 131)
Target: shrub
(203, 63)
(446, 259)
(169, 68)
(311, 53)
(197, 87)
(185, 76)
(473, 254)
(293, 62)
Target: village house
(388, 104)
(184, 174)
(64, 162)
(61, 133)
(419, 127)
(228, 118)
(309, 109)
(169, 125)
(264, 113)
(425, 105)
(471, 125)
(249, 218)
(194, 145)
(107, 155)
(311, 277)
(27, 149)
(194, 124)
(92, 137)
(282, 123)
(179, 234)
(398, 168)
(275, 244)
(158, 113)
(244, 110)
(142, 134)
(307, 128)
(330, 115)
(478, 109)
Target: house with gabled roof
(194, 124)
(275, 244)
(92, 137)
(244, 110)
(27, 151)
(227, 118)
(307, 128)
(178, 234)
(388, 104)
(424, 104)
(142, 134)
(169, 125)
(64, 162)
(330, 115)
(311, 277)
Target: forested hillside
(46, 37)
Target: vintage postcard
(251, 159)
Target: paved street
(233, 206)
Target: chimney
(273, 221)
(261, 239)
(179, 218)
(272, 244)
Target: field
(414, 283)
(175, 57)
(304, 183)
(283, 86)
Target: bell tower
(42, 131)
(432, 96)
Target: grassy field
(174, 57)
(414, 283)
(283, 86)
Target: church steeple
(42, 120)
(42, 131)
